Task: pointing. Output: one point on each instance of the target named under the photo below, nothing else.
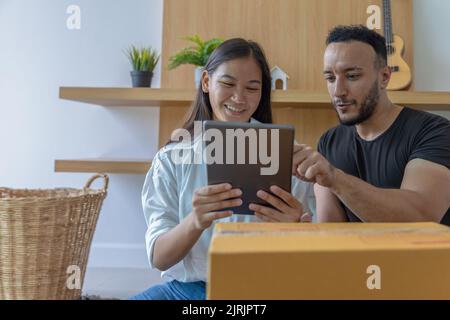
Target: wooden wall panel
(292, 33)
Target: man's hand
(309, 165)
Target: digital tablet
(250, 156)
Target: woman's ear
(205, 81)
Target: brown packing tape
(317, 231)
(262, 237)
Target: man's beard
(366, 109)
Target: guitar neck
(401, 74)
(387, 19)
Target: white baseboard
(119, 283)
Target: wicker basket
(43, 235)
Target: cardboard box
(329, 261)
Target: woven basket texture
(42, 234)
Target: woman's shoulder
(177, 152)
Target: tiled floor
(118, 283)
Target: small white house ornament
(279, 78)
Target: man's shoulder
(340, 131)
(332, 139)
(421, 123)
(420, 116)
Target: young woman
(179, 207)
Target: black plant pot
(141, 78)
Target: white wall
(38, 54)
(432, 47)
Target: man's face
(352, 80)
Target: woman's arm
(172, 246)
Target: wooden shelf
(145, 97)
(130, 166)
(137, 97)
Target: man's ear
(205, 81)
(385, 76)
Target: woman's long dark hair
(229, 50)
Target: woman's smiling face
(234, 89)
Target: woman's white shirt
(167, 199)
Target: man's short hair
(362, 34)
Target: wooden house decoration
(279, 78)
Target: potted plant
(143, 61)
(196, 55)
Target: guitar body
(401, 73)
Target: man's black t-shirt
(382, 161)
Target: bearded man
(384, 162)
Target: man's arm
(328, 208)
(424, 195)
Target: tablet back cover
(248, 175)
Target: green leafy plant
(197, 55)
(143, 59)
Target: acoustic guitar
(401, 73)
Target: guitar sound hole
(390, 49)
